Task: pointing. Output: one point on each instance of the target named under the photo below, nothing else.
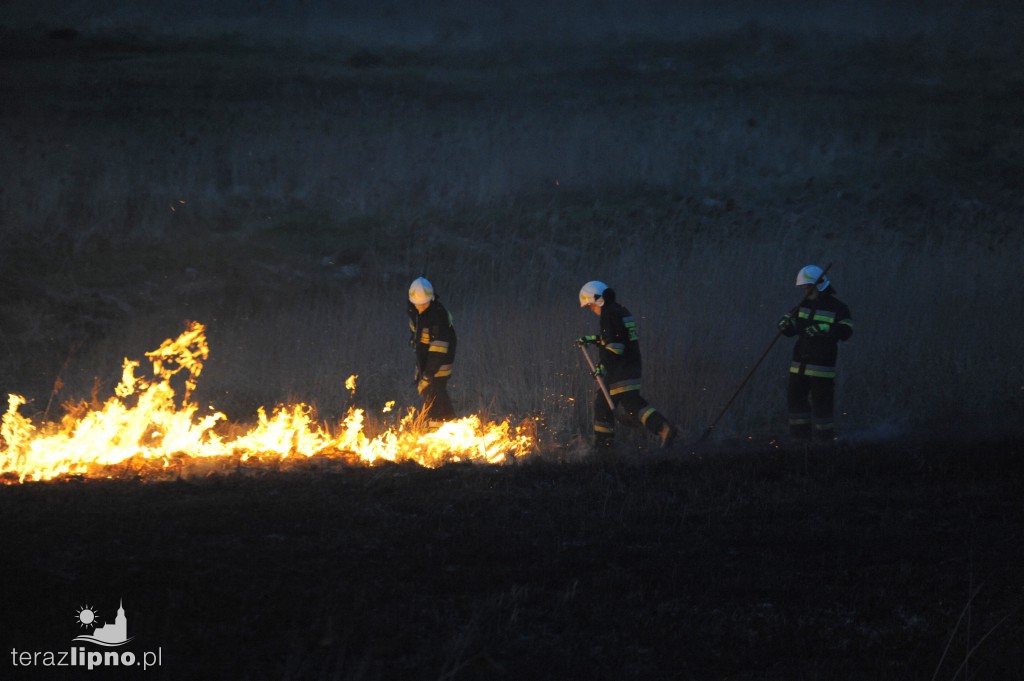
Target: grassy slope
(274, 194)
(742, 565)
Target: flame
(142, 431)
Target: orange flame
(141, 431)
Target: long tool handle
(600, 381)
(760, 359)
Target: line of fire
(145, 431)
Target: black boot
(667, 435)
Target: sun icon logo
(86, 616)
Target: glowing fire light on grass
(141, 431)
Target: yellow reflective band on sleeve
(646, 414)
(617, 348)
(425, 336)
(412, 327)
(443, 370)
(847, 322)
(630, 325)
(602, 428)
(804, 313)
(438, 346)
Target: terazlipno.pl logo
(115, 634)
(108, 635)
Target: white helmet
(421, 291)
(810, 275)
(591, 293)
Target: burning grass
(144, 431)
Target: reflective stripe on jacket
(620, 348)
(433, 338)
(816, 355)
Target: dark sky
(411, 23)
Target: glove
(599, 371)
(819, 329)
(787, 324)
(585, 340)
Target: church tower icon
(110, 634)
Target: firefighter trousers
(633, 403)
(811, 401)
(437, 406)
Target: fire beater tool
(711, 428)
(597, 377)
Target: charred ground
(880, 562)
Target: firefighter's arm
(788, 325)
(843, 328)
(613, 340)
(840, 330)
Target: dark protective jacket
(816, 355)
(433, 338)
(620, 346)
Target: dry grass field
(286, 195)
(281, 174)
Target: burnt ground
(881, 562)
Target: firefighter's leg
(604, 422)
(640, 412)
(650, 418)
(436, 403)
(799, 407)
(823, 407)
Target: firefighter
(620, 368)
(433, 339)
(820, 322)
